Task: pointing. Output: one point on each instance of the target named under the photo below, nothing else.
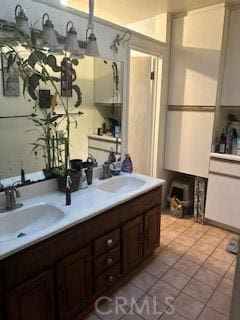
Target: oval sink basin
(28, 220)
(121, 184)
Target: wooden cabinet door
(32, 300)
(74, 283)
(132, 243)
(151, 230)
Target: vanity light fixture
(72, 44)
(91, 40)
(49, 37)
(22, 25)
(117, 41)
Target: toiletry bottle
(222, 144)
(127, 165)
(238, 146)
(234, 141)
(229, 141)
(111, 157)
(68, 191)
(83, 180)
(23, 179)
(1, 185)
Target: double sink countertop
(87, 203)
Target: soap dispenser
(127, 165)
(111, 157)
(83, 180)
(68, 191)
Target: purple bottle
(111, 157)
(127, 165)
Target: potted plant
(34, 68)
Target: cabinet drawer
(225, 167)
(107, 279)
(103, 145)
(106, 261)
(222, 200)
(106, 242)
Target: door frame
(161, 50)
(155, 93)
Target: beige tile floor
(191, 267)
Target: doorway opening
(144, 111)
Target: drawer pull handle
(110, 278)
(109, 242)
(109, 262)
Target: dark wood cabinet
(32, 300)
(60, 277)
(74, 283)
(140, 237)
(151, 231)
(132, 243)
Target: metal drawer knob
(109, 261)
(110, 278)
(109, 242)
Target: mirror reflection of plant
(35, 64)
(48, 141)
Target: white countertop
(230, 157)
(85, 205)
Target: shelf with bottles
(227, 157)
(229, 140)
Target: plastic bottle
(83, 180)
(234, 141)
(127, 165)
(222, 144)
(111, 157)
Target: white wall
(154, 27)
(195, 56)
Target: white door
(141, 110)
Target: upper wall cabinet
(231, 92)
(108, 82)
(195, 57)
(188, 142)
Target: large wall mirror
(96, 113)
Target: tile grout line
(192, 277)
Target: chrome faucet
(11, 193)
(92, 159)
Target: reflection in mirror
(96, 111)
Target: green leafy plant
(30, 61)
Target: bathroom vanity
(59, 273)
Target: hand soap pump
(83, 180)
(111, 157)
(127, 165)
(68, 191)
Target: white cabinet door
(231, 92)
(223, 200)
(188, 142)
(195, 57)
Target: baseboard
(222, 226)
